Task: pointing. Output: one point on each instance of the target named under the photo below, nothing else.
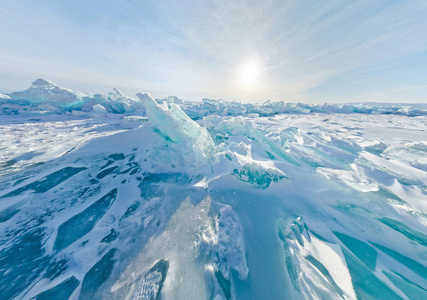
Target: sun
(249, 74)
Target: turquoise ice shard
(177, 126)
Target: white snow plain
(159, 205)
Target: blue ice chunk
(366, 253)
(106, 172)
(12, 210)
(225, 284)
(365, 283)
(131, 210)
(109, 237)
(22, 262)
(410, 289)
(413, 265)
(96, 276)
(48, 182)
(60, 291)
(80, 224)
(153, 281)
(410, 233)
(259, 177)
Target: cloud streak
(311, 51)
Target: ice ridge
(225, 207)
(45, 97)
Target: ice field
(111, 197)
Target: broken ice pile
(44, 97)
(215, 200)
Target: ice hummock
(44, 91)
(232, 205)
(45, 97)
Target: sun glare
(249, 74)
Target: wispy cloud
(309, 50)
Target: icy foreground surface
(291, 206)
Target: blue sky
(300, 51)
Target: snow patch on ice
(317, 269)
(98, 109)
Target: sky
(250, 51)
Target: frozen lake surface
(217, 206)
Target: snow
(137, 198)
(4, 97)
(318, 263)
(331, 256)
(98, 109)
